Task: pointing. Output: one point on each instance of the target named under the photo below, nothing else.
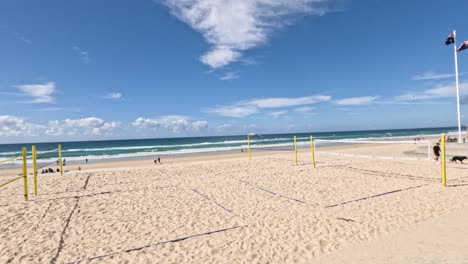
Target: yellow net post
(25, 174)
(443, 167)
(34, 168)
(248, 146)
(312, 150)
(60, 159)
(295, 148)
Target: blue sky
(133, 69)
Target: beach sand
(225, 209)
(442, 240)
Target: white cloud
(286, 102)
(114, 96)
(219, 57)
(11, 126)
(14, 126)
(84, 55)
(199, 125)
(84, 126)
(41, 93)
(434, 93)
(172, 123)
(250, 107)
(234, 111)
(47, 109)
(141, 122)
(303, 109)
(229, 76)
(224, 127)
(364, 100)
(277, 114)
(433, 76)
(234, 26)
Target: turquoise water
(78, 151)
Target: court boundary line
(64, 231)
(272, 192)
(376, 195)
(158, 243)
(214, 202)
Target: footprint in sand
(323, 245)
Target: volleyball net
(15, 168)
(378, 149)
(11, 175)
(392, 153)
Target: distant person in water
(86, 161)
(436, 150)
(64, 162)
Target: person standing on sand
(436, 150)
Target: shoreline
(203, 157)
(281, 146)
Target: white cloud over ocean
(439, 91)
(433, 76)
(249, 107)
(363, 100)
(114, 96)
(40, 93)
(11, 126)
(174, 123)
(87, 126)
(234, 26)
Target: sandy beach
(226, 209)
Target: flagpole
(456, 84)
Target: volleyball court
(410, 160)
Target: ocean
(78, 151)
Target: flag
(463, 46)
(450, 39)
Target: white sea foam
(154, 154)
(178, 145)
(204, 147)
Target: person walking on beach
(159, 160)
(436, 150)
(86, 161)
